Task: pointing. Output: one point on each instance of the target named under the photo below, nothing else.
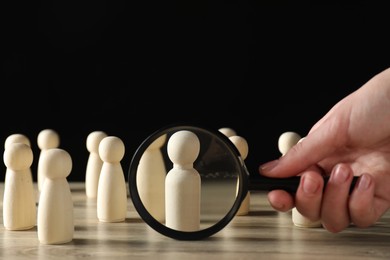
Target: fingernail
(310, 186)
(364, 182)
(340, 174)
(268, 166)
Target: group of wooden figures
(177, 203)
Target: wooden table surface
(263, 234)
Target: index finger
(306, 153)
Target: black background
(131, 67)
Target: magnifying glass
(188, 182)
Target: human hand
(353, 138)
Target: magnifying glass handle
(290, 184)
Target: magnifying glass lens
(187, 182)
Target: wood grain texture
(262, 234)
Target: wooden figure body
(112, 190)
(183, 183)
(151, 173)
(55, 208)
(19, 209)
(94, 163)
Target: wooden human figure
(285, 142)
(112, 189)
(94, 163)
(151, 173)
(19, 138)
(55, 207)
(243, 148)
(47, 139)
(19, 209)
(183, 183)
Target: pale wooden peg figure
(94, 163)
(227, 131)
(243, 149)
(285, 142)
(112, 189)
(18, 138)
(55, 208)
(151, 173)
(47, 139)
(19, 209)
(183, 183)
